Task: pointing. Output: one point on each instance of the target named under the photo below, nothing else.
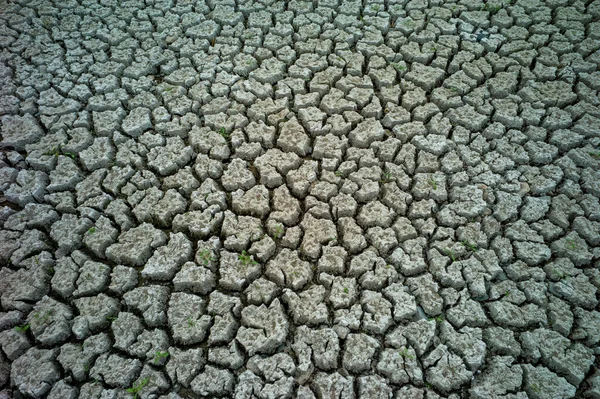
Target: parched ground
(326, 199)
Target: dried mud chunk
(115, 370)
(50, 321)
(135, 246)
(94, 314)
(184, 365)
(151, 301)
(445, 370)
(263, 329)
(237, 176)
(237, 270)
(254, 202)
(35, 372)
(187, 319)
(500, 378)
(213, 381)
(359, 351)
(167, 260)
(287, 269)
(366, 133)
(308, 307)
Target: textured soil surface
(269, 199)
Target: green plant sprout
(92, 230)
(206, 256)
(277, 232)
(224, 133)
(572, 244)
(346, 290)
(137, 388)
(492, 8)
(22, 328)
(535, 388)
(470, 246)
(111, 318)
(595, 154)
(405, 353)
(43, 318)
(56, 151)
(386, 177)
(397, 66)
(339, 173)
(191, 322)
(450, 253)
(433, 183)
(160, 355)
(439, 318)
(246, 259)
(560, 274)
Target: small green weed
(386, 177)
(56, 151)
(92, 230)
(450, 253)
(572, 244)
(22, 328)
(43, 317)
(277, 232)
(433, 183)
(469, 245)
(110, 319)
(135, 390)
(560, 274)
(339, 173)
(535, 388)
(491, 7)
(439, 318)
(160, 355)
(406, 354)
(206, 256)
(246, 259)
(398, 67)
(224, 133)
(191, 322)
(346, 291)
(595, 154)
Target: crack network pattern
(305, 199)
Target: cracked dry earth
(300, 199)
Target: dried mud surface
(378, 199)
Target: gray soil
(326, 199)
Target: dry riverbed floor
(326, 199)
